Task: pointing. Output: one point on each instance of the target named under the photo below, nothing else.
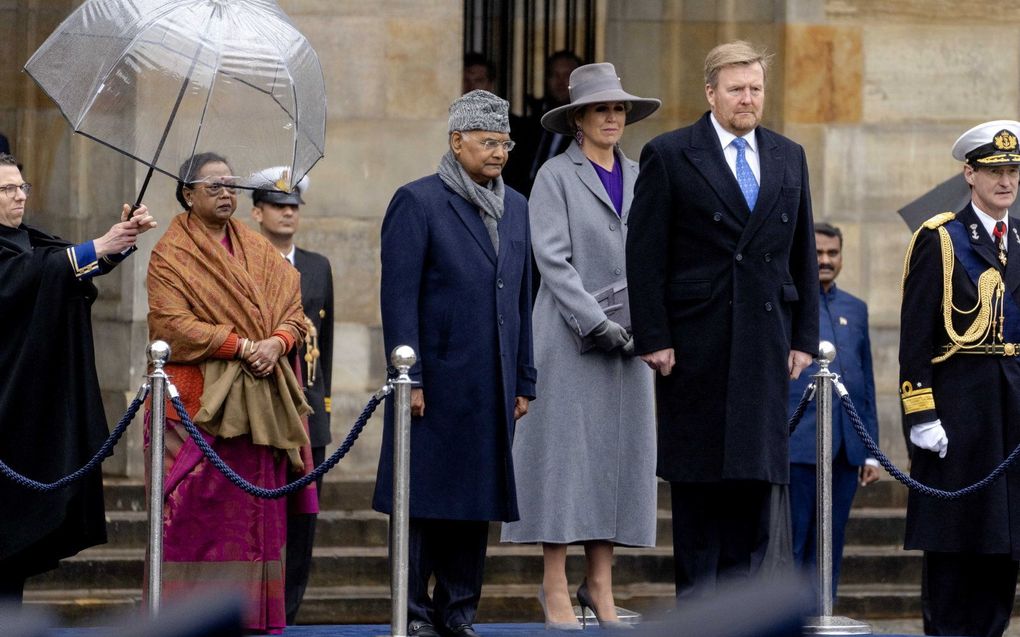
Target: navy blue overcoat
(467, 313)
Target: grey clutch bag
(615, 303)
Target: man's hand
(417, 402)
(798, 362)
(869, 474)
(123, 235)
(661, 360)
(930, 436)
(520, 406)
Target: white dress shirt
(730, 151)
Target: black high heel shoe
(585, 601)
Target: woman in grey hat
(584, 456)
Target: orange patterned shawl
(198, 294)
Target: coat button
(768, 306)
(717, 216)
(612, 226)
(499, 283)
(617, 271)
(768, 257)
(500, 319)
(739, 257)
(785, 217)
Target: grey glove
(609, 335)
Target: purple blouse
(613, 183)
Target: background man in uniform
(278, 213)
(960, 389)
(843, 321)
(51, 408)
(723, 283)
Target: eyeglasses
(9, 189)
(492, 144)
(216, 185)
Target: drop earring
(579, 137)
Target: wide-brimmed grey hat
(594, 84)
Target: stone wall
(875, 90)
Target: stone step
(875, 526)
(880, 565)
(124, 494)
(506, 564)
(358, 604)
(368, 566)
(130, 529)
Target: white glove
(930, 436)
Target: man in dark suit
(455, 272)
(960, 389)
(277, 211)
(724, 304)
(843, 321)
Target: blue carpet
(375, 630)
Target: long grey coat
(584, 456)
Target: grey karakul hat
(989, 144)
(480, 110)
(594, 84)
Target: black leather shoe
(421, 629)
(464, 630)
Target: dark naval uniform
(960, 336)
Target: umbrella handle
(141, 193)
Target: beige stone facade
(876, 91)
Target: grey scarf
(489, 200)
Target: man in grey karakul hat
(456, 269)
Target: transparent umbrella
(161, 80)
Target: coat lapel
(630, 173)
(979, 239)
(772, 166)
(476, 227)
(589, 177)
(1013, 257)
(707, 157)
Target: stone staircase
(350, 577)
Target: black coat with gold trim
(317, 302)
(976, 396)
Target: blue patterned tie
(745, 178)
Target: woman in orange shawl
(230, 307)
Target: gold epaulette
(940, 219)
(915, 400)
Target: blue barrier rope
(287, 489)
(104, 451)
(798, 413)
(869, 443)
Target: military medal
(999, 232)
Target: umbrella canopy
(949, 196)
(161, 80)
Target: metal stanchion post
(826, 624)
(158, 353)
(402, 358)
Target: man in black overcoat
(51, 411)
(277, 210)
(960, 389)
(724, 304)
